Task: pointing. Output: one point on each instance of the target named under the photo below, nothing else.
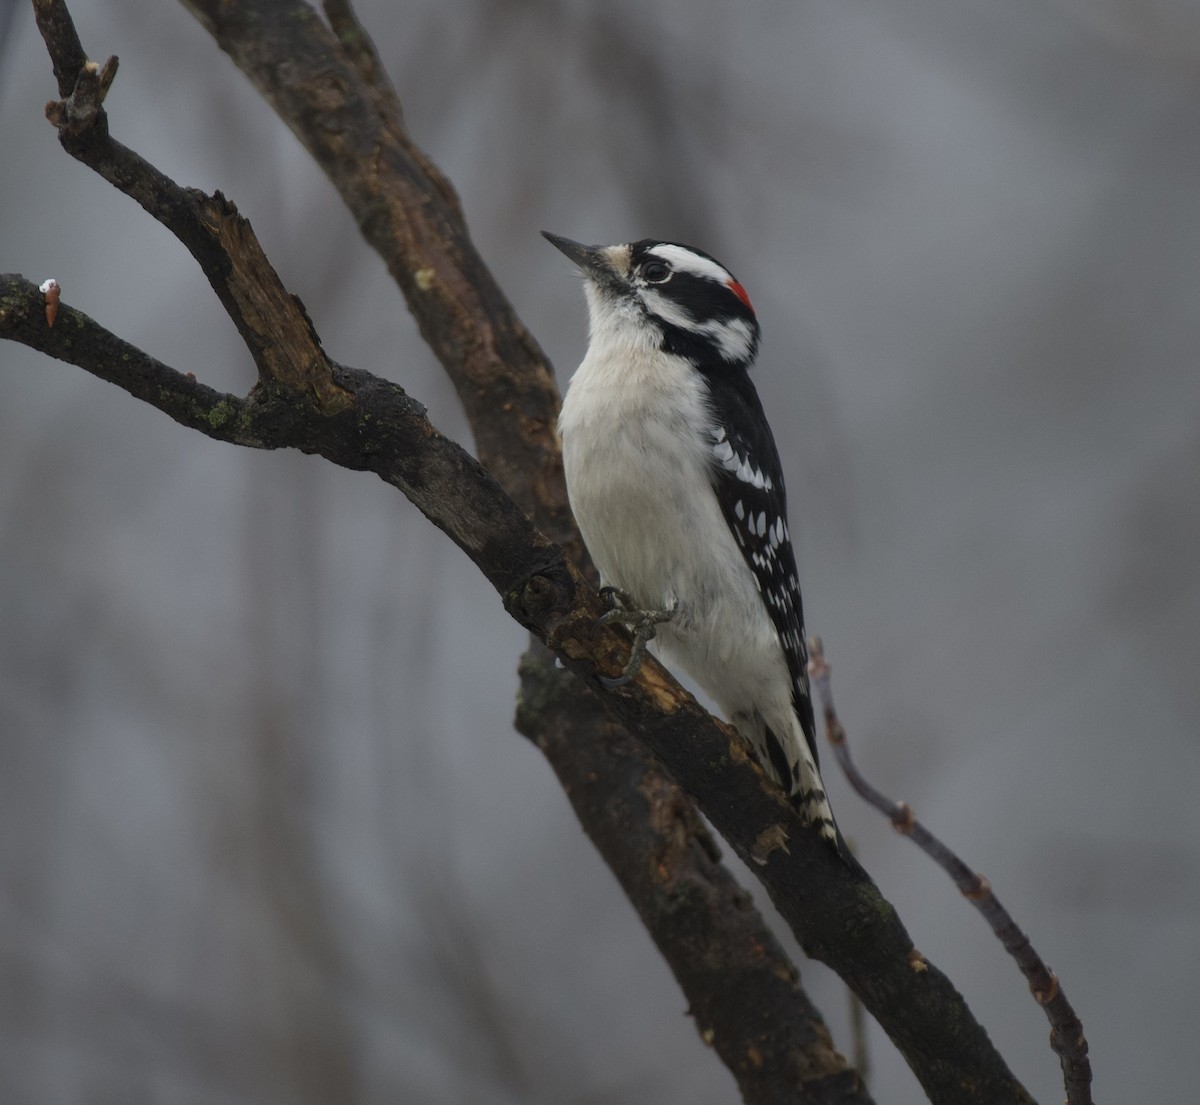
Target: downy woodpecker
(676, 484)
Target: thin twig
(271, 321)
(1066, 1031)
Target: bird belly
(645, 505)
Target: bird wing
(748, 482)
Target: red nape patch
(740, 292)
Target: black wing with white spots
(748, 481)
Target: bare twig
(62, 40)
(272, 323)
(1066, 1031)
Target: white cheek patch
(734, 337)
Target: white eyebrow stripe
(683, 259)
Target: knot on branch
(79, 112)
(771, 839)
(1045, 993)
(543, 597)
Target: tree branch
(745, 994)
(320, 85)
(363, 423)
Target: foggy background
(266, 833)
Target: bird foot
(641, 623)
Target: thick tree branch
(320, 84)
(744, 993)
(363, 423)
(379, 428)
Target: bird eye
(656, 272)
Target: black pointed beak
(592, 260)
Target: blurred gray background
(266, 834)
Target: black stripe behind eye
(697, 348)
(701, 298)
